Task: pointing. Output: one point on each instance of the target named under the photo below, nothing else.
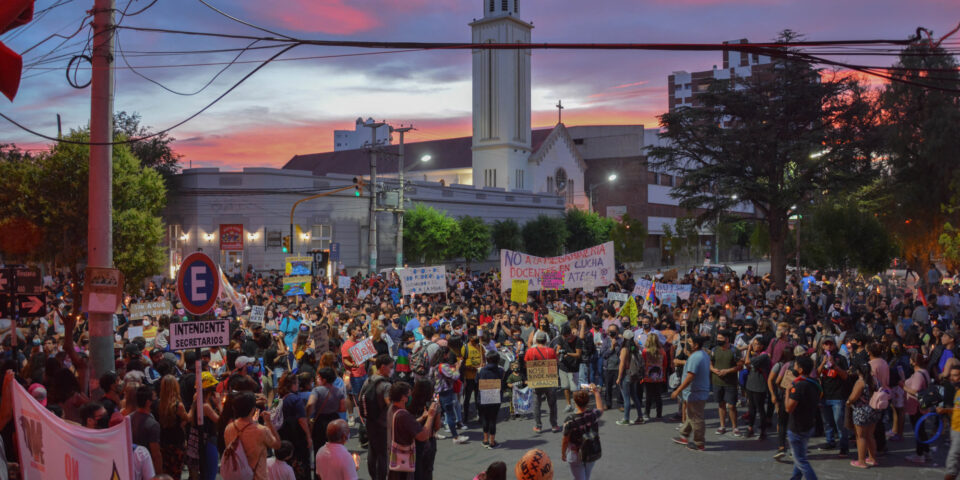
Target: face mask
(104, 422)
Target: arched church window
(505, 5)
(560, 179)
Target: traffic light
(357, 186)
(286, 244)
(13, 13)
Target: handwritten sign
(557, 318)
(489, 391)
(587, 269)
(294, 266)
(256, 313)
(552, 280)
(154, 309)
(518, 293)
(665, 292)
(618, 297)
(542, 374)
(424, 279)
(363, 351)
(343, 282)
(294, 286)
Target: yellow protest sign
(518, 292)
(630, 310)
(542, 373)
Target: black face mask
(613, 334)
(104, 422)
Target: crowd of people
(845, 357)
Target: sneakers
(441, 436)
(555, 429)
(352, 421)
(827, 446)
(737, 433)
(460, 440)
(568, 409)
(537, 429)
(921, 459)
(622, 422)
(492, 445)
(695, 448)
(681, 441)
(484, 444)
(780, 454)
(721, 431)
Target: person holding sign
(539, 353)
(490, 378)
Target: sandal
(857, 464)
(871, 463)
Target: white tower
(501, 99)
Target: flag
(228, 294)
(630, 310)
(652, 293)
(923, 298)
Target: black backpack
(368, 405)
(931, 396)
(590, 450)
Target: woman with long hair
(918, 382)
(172, 417)
(865, 418)
(654, 373)
(420, 399)
(206, 455)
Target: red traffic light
(13, 13)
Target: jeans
(757, 402)
(539, 395)
(801, 465)
(628, 390)
(832, 413)
(610, 380)
(584, 373)
(922, 448)
(448, 403)
(580, 471)
(356, 383)
(596, 371)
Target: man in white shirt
(333, 461)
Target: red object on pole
(13, 13)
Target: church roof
(447, 154)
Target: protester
(255, 438)
(695, 388)
(278, 466)
(172, 416)
(725, 365)
(654, 374)
(629, 378)
(758, 363)
(540, 351)
(865, 418)
(917, 383)
(833, 374)
(581, 434)
(489, 412)
(325, 404)
(802, 403)
(333, 461)
(403, 431)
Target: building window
(519, 179)
(516, 6)
(578, 141)
(570, 189)
(549, 184)
(491, 5)
(321, 236)
(504, 5)
(490, 177)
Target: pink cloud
(327, 16)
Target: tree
(772, 139)
(838, 235)
(506, 235)
(586, 229)
(429, 234)
(53, 196)
(683, 238)
(760, 242)
(545, 236)
(921, 128)
(154, 152)
(736, 232)
(629, 239)
(472, 241)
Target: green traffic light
(356, 193)
(284, 249)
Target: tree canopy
(506, 235)
(472, 239)
(629, 238)
(545, 236)
(586, 229)
(428, 235)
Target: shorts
(725, 394)
(356, 383)
(569, 381)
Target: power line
(235, 19)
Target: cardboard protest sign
(518, 293)
(294, 286)
(199, 334)
(154, 309)
(256, 313)
(489, 391)
(363, 351)
(587, 269)
(557, 318)
(424, 279)
(542, 373)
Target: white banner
(343, 282)
(587, 269)
(52, 449)
(665, 292)
(154, 309)
(424, 280)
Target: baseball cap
(39, 393)
(241, 362)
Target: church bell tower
(501, 98)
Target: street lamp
(610, 179)
(426, 158)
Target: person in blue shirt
(695, 388)
(290, 327)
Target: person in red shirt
(542, 352)
(358, 373)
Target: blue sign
(334, 251)
(198, 283)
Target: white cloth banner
(587, 269)
(424, 280)
(665, 292)
(51, 448)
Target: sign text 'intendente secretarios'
(199, 334)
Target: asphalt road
(646, 452)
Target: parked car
(720, 270)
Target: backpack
(369, 406)
(635, 367)
(276, 414)
(233, 463)
(931, 396)
(880, 399)
(420, 360)
(590, 450)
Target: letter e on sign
(198, 283)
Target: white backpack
(234, 464)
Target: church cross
(559, 106)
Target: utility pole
(100, 183)
(372, 239)
(400, 205)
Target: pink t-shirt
(881, 372)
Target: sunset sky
(292, 107)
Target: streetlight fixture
(610, 179)
(426, 158)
